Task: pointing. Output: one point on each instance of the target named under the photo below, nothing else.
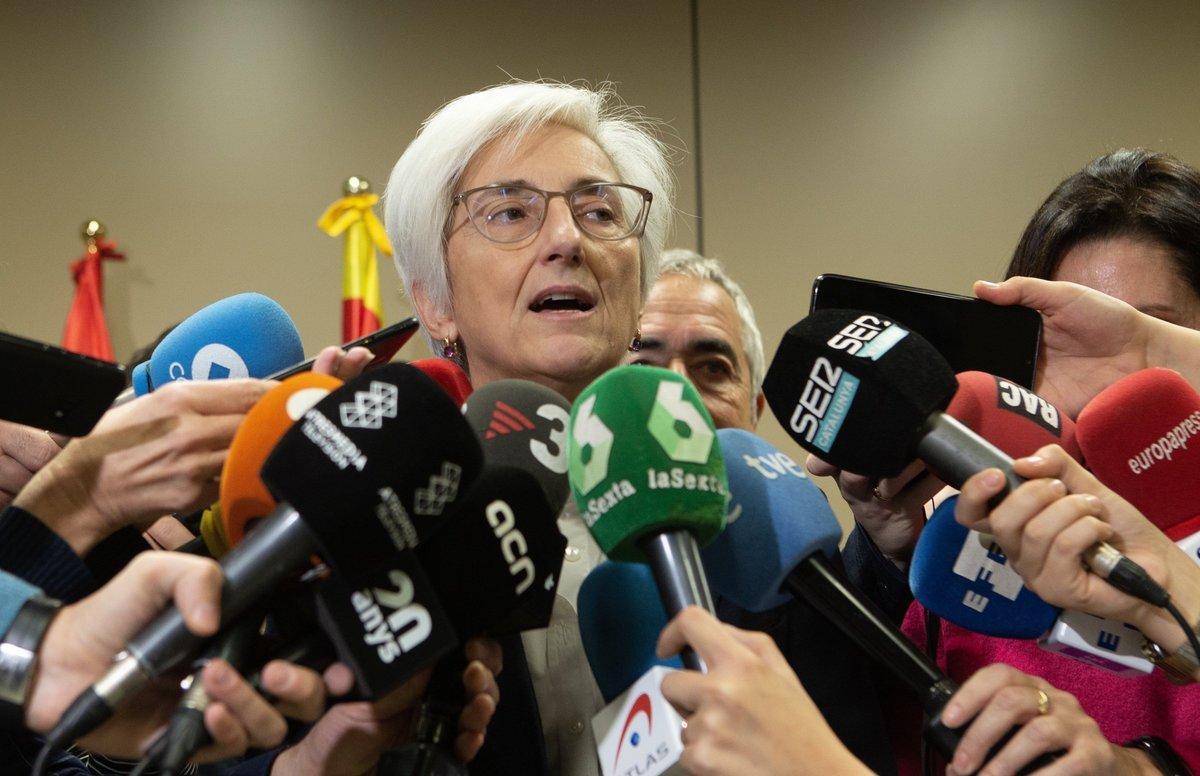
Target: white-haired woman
(528, 220)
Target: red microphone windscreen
(1011, 417)
(1139, 438)
(244, 497)
(448, 375)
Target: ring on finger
(1043, 703)
(879, 496)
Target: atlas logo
(641, 706)
(552, 453)
(593, 443)
(211, 362)
(371, 406)
(869, 336)
(393, 623)
(512, 543)
(442, 489)
(1028, 404)
(677, 425)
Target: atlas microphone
(779, 545)
(364, 475)
(646, 472)
(867, 395)
(246, 335)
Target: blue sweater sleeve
(30, 550)
(14, 592)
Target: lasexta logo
(677, 425)
(593, 444)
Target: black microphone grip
(679, 575)
(817, 582)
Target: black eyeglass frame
(639, 225)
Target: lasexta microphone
(781, 541)
(358, 481)
(246, 335)
(867, 395)
(646, 472)
(620, 619)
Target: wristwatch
(1166, 759)
(18, 656)
(1179, 666)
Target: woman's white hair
(681, 261)
(417, 201)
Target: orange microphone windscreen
(244, 497)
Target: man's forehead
(690, 314)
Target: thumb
(1044, 295)
(143, 589)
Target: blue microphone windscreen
(246, 335)
(777, 518)
(963, 577)
(620, 618)
(140, 378)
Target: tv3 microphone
(645, 470)
(620, 619)
(867, 395)
(778, 547)
(245, 335)
(357, 480)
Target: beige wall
(902, 141)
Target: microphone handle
(817, 582)
(674, 558)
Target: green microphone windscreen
(643, 458)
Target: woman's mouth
(562, 301)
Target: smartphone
(384, 344)
(47, 387)
(971, 334)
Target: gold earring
(635, 344)
(449, 349)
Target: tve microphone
(867, 395)
(784, 519)
(620, 619)
(646, 471)
(246, 335)
(358, 481)
(244, 497)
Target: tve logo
(392, 621)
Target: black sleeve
(876, 576)
(30, 550)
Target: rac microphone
(867, 395)
(783, 535)
(360, 478)
(448, 375)
(646, 471)
(246, 335)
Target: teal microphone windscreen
(620, 619)
(245, 335)
(777, 517)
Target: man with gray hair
(698, 322)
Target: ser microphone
(246, 335)
(780, 544)
(358, 481)
(867, 395)
(646, 471)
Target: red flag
(86, 331)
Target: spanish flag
(86, 331)
(362, 310)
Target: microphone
(246, 335)
(867, 395)
(782, 538)
(620, 619)
(449, 375)
(358, 482)
(646, 471)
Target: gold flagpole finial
(91, 230)
(356, 184)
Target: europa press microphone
(646, 472)
(620, 619)
(867, 395)
(506, 532)
(777, 547)
(245, 335)
(356, 480)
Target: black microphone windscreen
(495, 567)
(854, 388)
(522, 424)
(375, 466)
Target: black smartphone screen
(384, 344)
(971, 334)
(47, 387)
